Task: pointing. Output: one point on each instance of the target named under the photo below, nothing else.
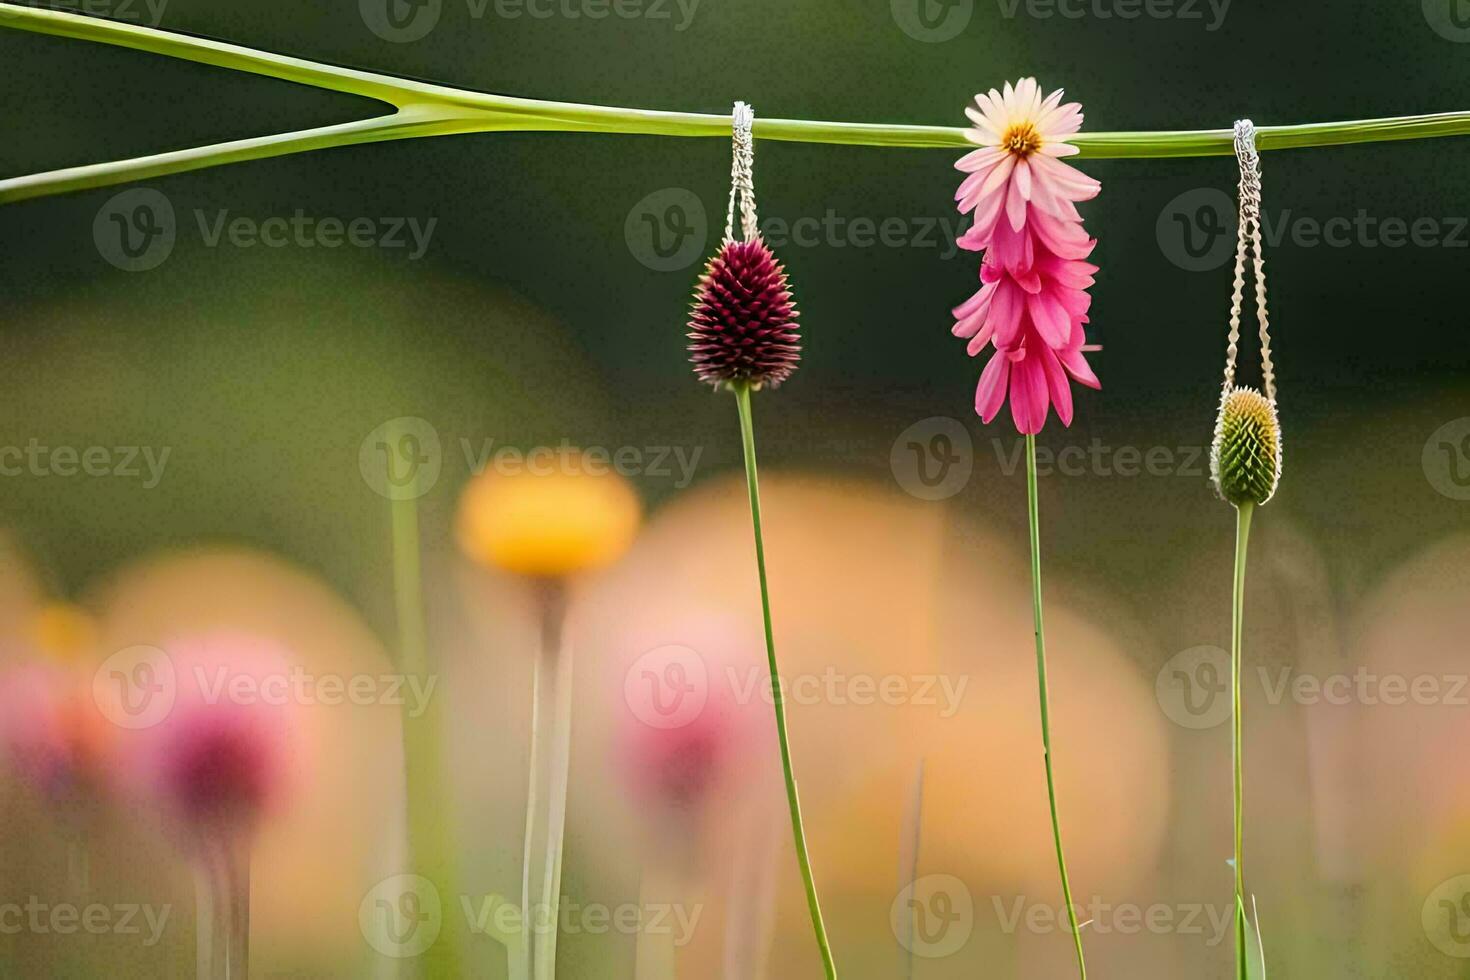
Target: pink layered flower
(1016, 171)
(1033, 300)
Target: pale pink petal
(1022, 179)
(1070, 182)
(1059, 149)
(1015, 206)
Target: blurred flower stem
(546, 793)
(431, 846)
(1237, 622)
(424, 109)
(222, 912)
(1044, 696)
(752, 483)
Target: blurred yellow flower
(558, 514)
(63, 632)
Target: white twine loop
(1248, 234)
(742, 174)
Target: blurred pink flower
(221, 757)
(1034, 299)
(52, 736)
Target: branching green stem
(1237, 622)
(424, 109)
(1033, 513)
(798, 832)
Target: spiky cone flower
(743, 324)
(561, 514)
(1245, 466)
(744, 336)
(1245, 456)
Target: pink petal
(1029, 399)
(1077, 367)
(1057, 385)
(1049, 317)
(990, 393)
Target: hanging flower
(743, 322)
(1017, 170)
(1033, 300)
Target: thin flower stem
(1033, 513)
(425, 109)
(747, 438)
(1237, 622)
(430, 846)
(546, 795)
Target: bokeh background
(544, 307)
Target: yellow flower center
(1021, 139)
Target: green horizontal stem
(425, 109)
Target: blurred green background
(540, 311)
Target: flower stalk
(423, 109)
(798, 832)
(1033, 515)
(1237, 621)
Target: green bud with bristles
(1245, 459)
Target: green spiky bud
(1245, 459)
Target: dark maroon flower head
(743, 326)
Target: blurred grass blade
(908, 864)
